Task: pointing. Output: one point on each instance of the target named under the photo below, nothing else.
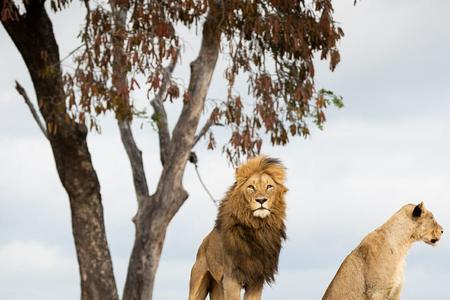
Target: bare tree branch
(160, 115)
(120, 84)
(28, 102)
(183, 134)
(136, 162)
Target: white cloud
(33, 270)
(19, 257)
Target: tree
(32, 33)
(271, 43)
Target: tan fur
(374, 270)
(243, 248)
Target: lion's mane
(252, 244)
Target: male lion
(243, 248)
(374, 270)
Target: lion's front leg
(396, 292)
(216, 291)
(253, 293)
(231, 288)
(200, 280)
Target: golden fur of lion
(243, 248)
(374, 270)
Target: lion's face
(428, 229)
(260, 192)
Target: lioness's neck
(398, 231)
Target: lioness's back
(339, 287)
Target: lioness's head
(261, 181)
(427, 229)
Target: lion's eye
(269, 186)
(252, 187)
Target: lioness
(243, 248)
(374, 270)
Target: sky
(387, 147)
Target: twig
(71, 53)
(35, 114)
(204, 130)
(205, 188)
(194, 160)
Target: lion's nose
(261, 200)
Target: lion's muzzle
(261, 212)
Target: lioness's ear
(417, 212)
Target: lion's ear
(417, 212)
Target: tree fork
(154, 216)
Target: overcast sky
(387, 147)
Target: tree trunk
(33, 35)
(151, 227)
(150, 234)
(155, 214)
